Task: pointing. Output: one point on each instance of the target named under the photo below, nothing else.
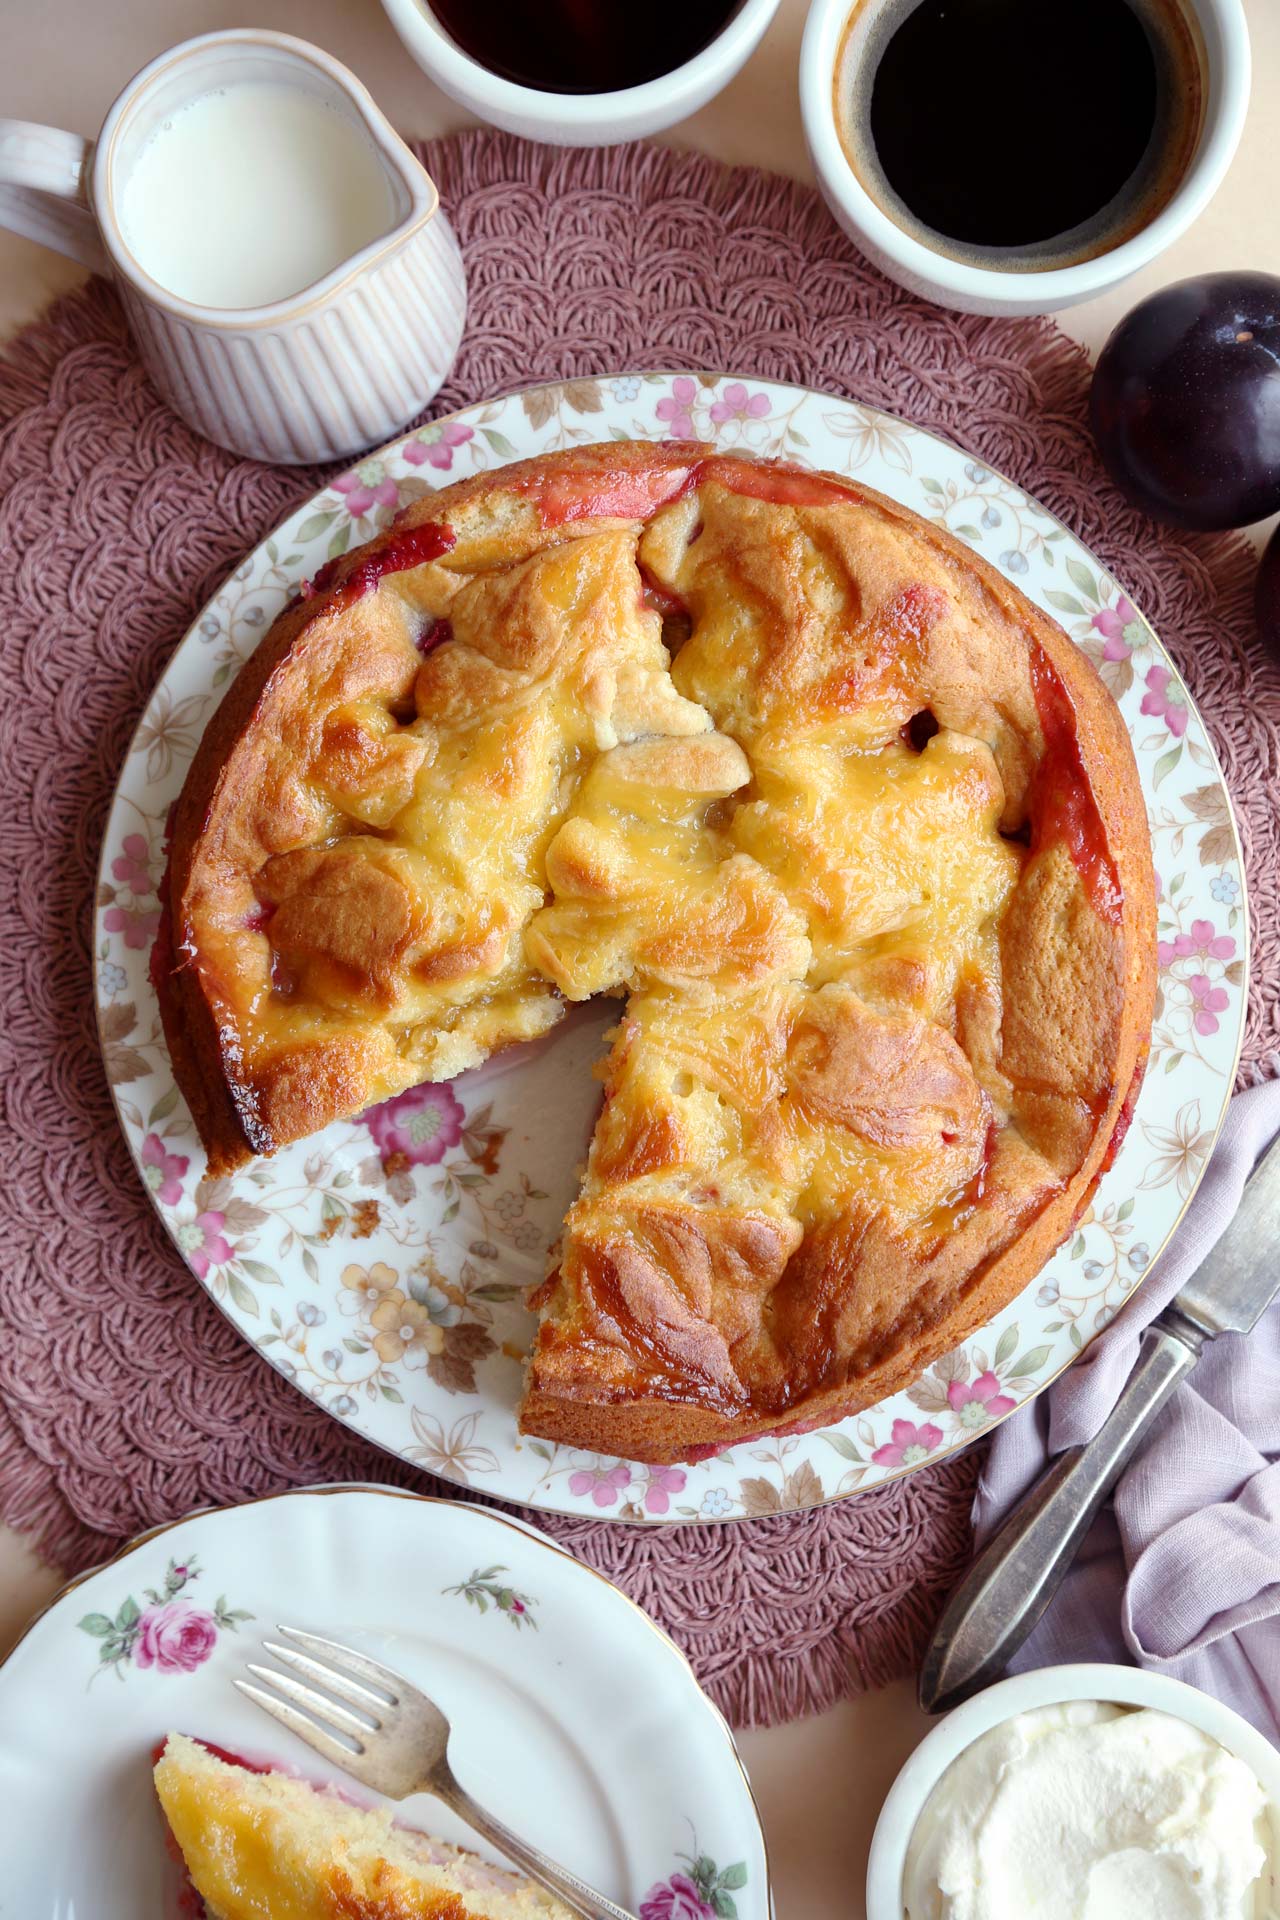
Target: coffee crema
(1008, 134)
(582, 46)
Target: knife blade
(1020, 1569)
(1239, 1277)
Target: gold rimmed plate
(446, 1199)
(575, 1718)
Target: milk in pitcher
(251, 192)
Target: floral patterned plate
(381, 1266)
(574, 1718)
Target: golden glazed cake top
(262, 1845)
(849, 823)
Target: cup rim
(1045, 1686)
(414, 19)
(424, 199)
(1225, 108)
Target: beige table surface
(819, 1782)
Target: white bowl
(1127, 1686)
(973, 289)
(581, 119)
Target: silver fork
(392, 1738)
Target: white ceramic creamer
(295, 290)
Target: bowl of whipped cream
(1083, 1793)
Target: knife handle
(1020, 1569)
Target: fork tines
(314, 1712)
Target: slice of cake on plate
(262, 1845)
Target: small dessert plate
(382, 1265)
(575, 1719)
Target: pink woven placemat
(125, 1397)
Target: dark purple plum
(1185, 405)
(1266, 598)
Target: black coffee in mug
(1020, 134)
(582, 46)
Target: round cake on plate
(849, 827)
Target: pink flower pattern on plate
(136, 924)
(1165, 700)
(421, 1124)
(360, 494)
(1120, 628)
(735, 403)
(661, 1483)
(163, 1171)
(1209, 1000)
(175, 1637)
(974, 1402)
(1202, 941)
(132, 865)
(677, 409)
(435, 446)
(604, 1484)
(167, 1633)
(202, 1241)
(675, 1899)
(910, 1444)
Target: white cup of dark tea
(1012, 156)
(584, 73)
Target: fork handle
(566, 1886)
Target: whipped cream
(1087, 1811)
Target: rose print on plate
(167, 1631)
(383, 1267)
(698, 1891)
(484, 1589)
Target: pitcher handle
(44, 195)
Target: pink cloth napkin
(1181, 1574)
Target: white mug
(336, 368)
(582, 119)
(979, 289)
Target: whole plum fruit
(1185, 404)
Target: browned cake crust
(256, 1842)
(851, 824)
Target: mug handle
(44, 190)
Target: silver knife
(1018, 1572)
